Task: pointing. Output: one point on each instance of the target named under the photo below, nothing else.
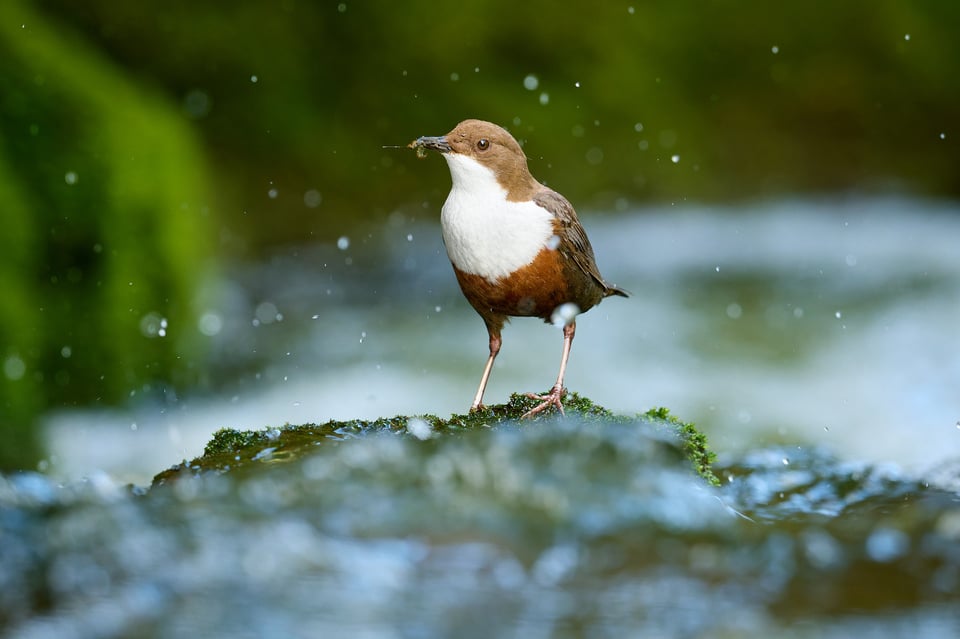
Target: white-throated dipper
(517, 247)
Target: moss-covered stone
(231, 449)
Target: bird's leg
(494, 349)
(558, 391)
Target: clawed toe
(546, 401)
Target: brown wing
(574, 243)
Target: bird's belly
(534, 290)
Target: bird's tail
(609, 289)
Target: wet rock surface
(592, 525)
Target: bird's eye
(483, 144)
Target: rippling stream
(560, 528)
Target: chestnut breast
(535, 289)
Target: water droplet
(70, 177)
(675, 159)
(210, 323)
(785, 461)
(409, 237)
(14, 368)
(906, 36)
(717, 269)
(315, 317)
(638, 127)
(312, 198)
(734, 310)
(419, 428)
(454, 76)
(343, 243)
(564, 315)
(272, 194)
(544, 98)
(437, 309)
(943, 136)
(630, 10)
(153, 325)
(576, 84)
(197, 104)
(798, 312)
(266, 313)
(66, 352)
(775, 49)
(133, 426)
(838, 315)
(530, 83)
(253, 79)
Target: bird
(517, 247)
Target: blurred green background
(143, 144)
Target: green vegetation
(232, 449)
(105, 230)
(755, 99)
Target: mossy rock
(232, 450)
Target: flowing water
(560, 529)
(815, 343)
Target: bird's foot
(546, 401)
(477, 408)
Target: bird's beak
(438, 143)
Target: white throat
(484, 233)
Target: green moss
(695, 444)
(228, 440)
(230, 449)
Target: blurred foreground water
(815, 343)
(553, 529)
(828, 323)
